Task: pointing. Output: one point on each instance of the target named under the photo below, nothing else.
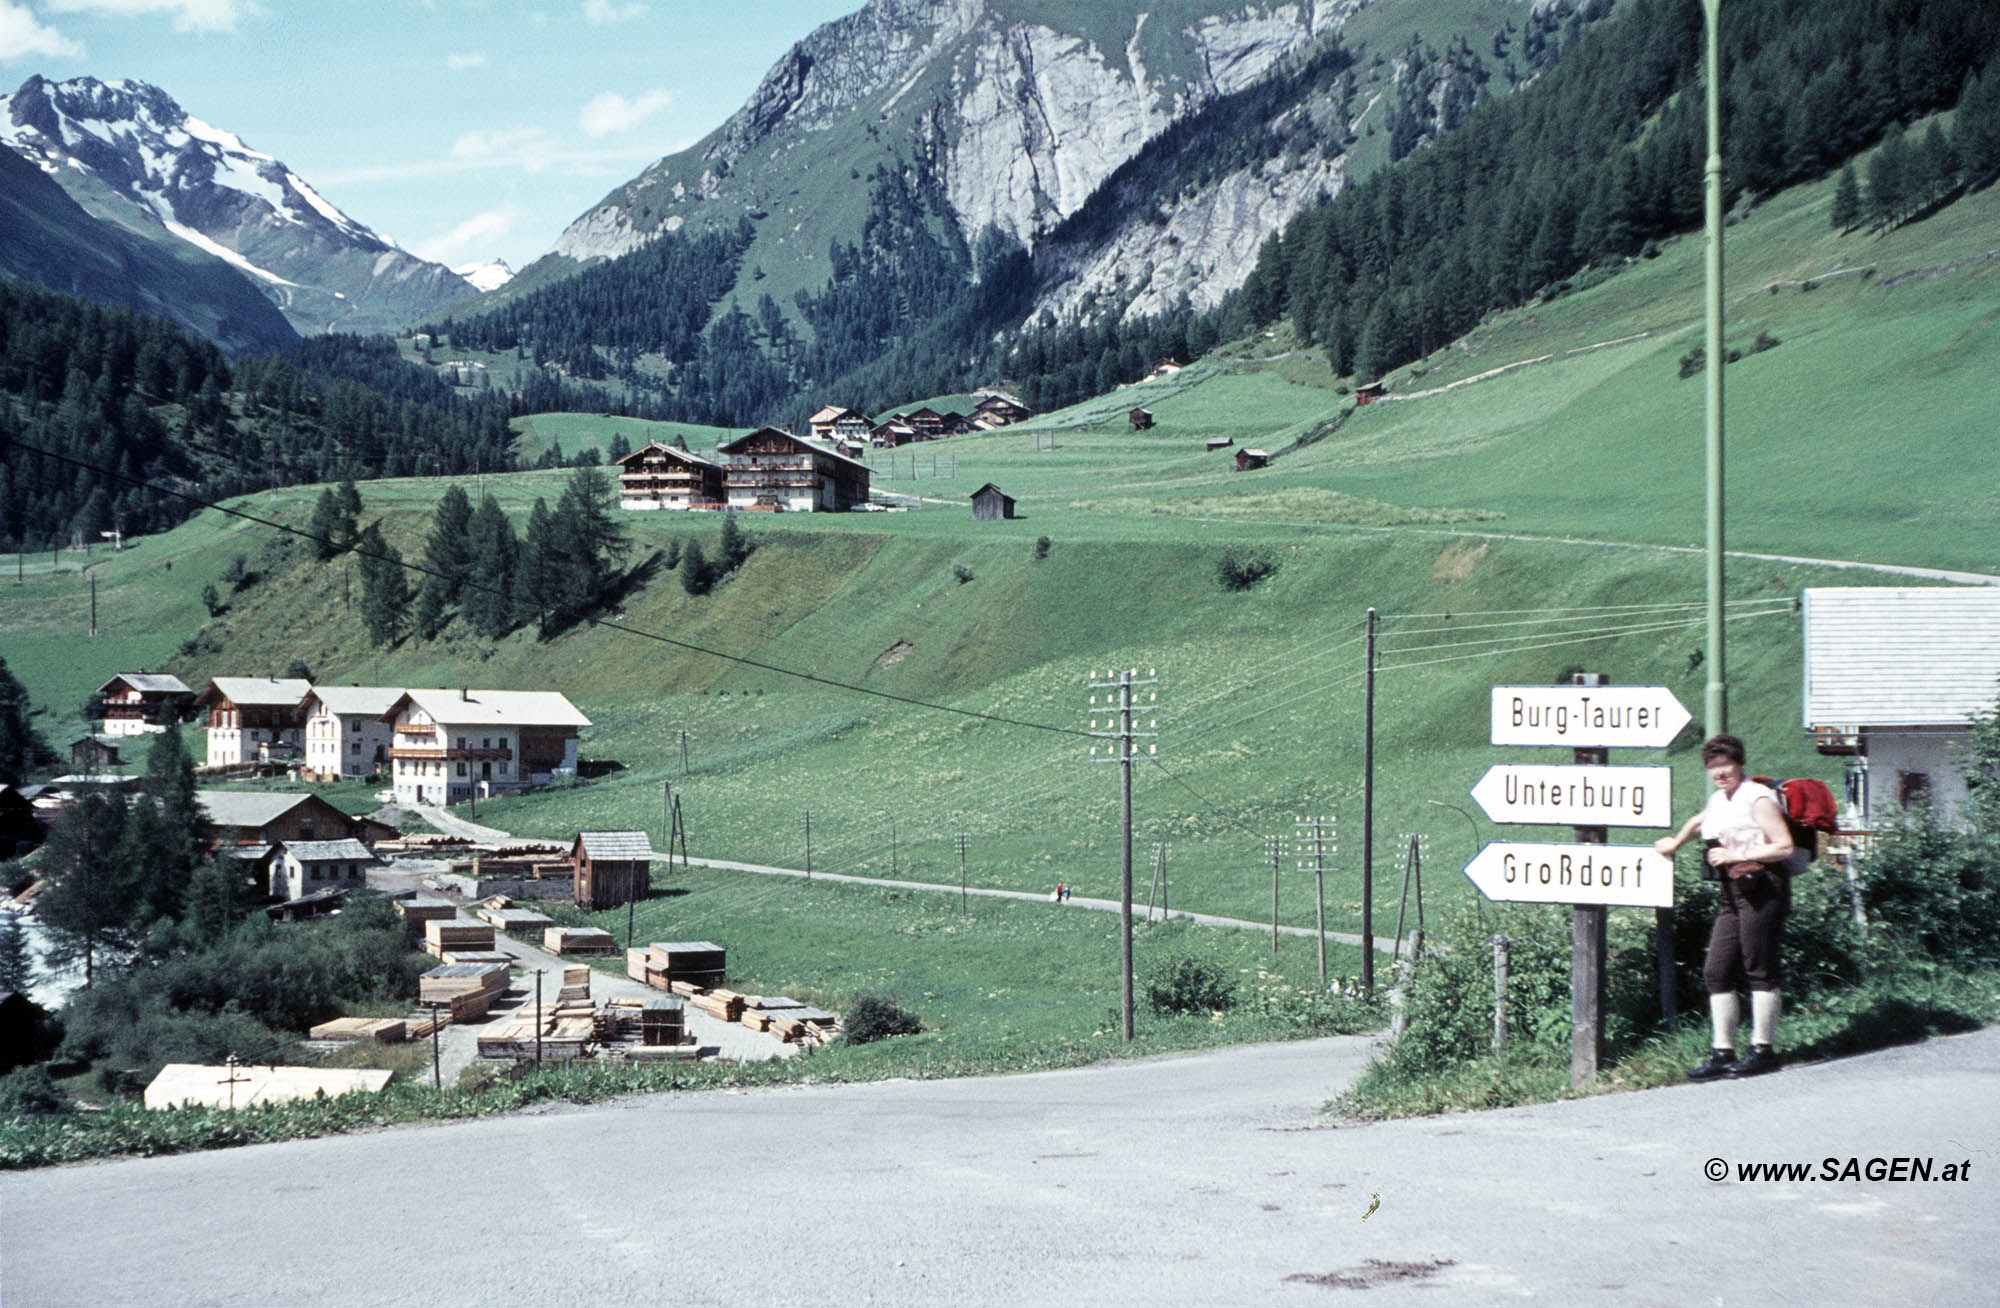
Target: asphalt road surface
(1200, 1179)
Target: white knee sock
(1724, 1013)
(1764, 1005)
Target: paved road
(1202, 1179)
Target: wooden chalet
(612, 867)
(139, 702)
(927, 423)
(453, 745)
(256, 821)
(1000, 410)
(772, 469)
(1247, 459)
(991, 504)
(834, 423)
(892, 433)
(252, 719)
(659, 476)
(1141, 419)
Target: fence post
(1499, 993)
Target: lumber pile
(522, 921)
(480, 956)
(699, 963)
(578, 940)
(789, 1019)
(455, 981)
(442, 937)
(388, 1030)
(722, 1005)
(416, 911)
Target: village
(466, 899)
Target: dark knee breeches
(1749, 928)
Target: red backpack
(1809, 809)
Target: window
(355, 748)
(357, 726)
(461, 742)
(486, 742)
(315, 872)
(503, 769)
(1913, 789)
(461, 769)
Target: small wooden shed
(95, 753)
(1369, 392)
(612, 867)
(1141, 419)
(991, 504)
(1247, 459)
(1220, 442)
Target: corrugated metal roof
(1886, 656)
(323, 851)
(616, 845)
(373, 701)
(499, 708)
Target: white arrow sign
(1577, 795)
(1587, 717)
(1610, 875)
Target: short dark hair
(1720, 749)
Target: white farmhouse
(253, 718)
(346, 732)
(451, 745)
(1893, 678)
(299, 867)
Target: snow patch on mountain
(489, 276)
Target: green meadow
(910, 678)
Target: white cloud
(470, 59)
(22, 36)
(610, 112)
(475, 238)
(531, 149)
(600, 12)
(188, 15)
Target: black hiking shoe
(1720, 1062)
(1760, 1059)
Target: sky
(464, 130)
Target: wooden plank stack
(416, 911)
(697, 962)
(523, 921)
(578, 940)
(443, 937)
(789, 1019)
(663, 1021)
(388, 1030)
(469, 988)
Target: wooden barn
(1141, 419)
(1247, 459)
(991, 504)
(1368, 393)
(612, 867)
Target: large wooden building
(139, 702)
(772, 469)
(257, 820)
(658, 476)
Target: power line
(1576, 640)
(1628, 629)
(1577, 616)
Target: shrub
(1041, 548)
(1189, 985)
(963, 573)
(1240, 570)
(212, 601)
(28, 1090)
(877, 1017)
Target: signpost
(1591, 718)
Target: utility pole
(1316, 835)
(538, 1016)
(1715, 707)
(684, 751)
(809, 844)
(437, 1058)
(892, 847)
(961, 874)
(1274, 849)
(1368, 822)
(1118, 728)
(93, 604)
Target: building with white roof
(450, 745)
(139, 702)
(1893, 679)
(254, 718)
(346, 734)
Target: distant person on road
(1749, 848)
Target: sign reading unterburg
(1587, 717)
(1631, 876)
(1577, 795)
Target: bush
(877, 1017)
(1041, 548)
(963, 573)
(28, 1090)
(1242, 569)
(1189, 985)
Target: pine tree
(324, 527)
(21, 746)
(1846, 199)
(447, 561)
(385, 592)
(1978, 128)
(535, 577)
(163, 832)
(1888, 179)
(17, 969)
(736, 545)
(488, 602)
(88, 905)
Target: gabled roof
(148, 683)
(671, 451)
(732, 447)
(615, 845)
(496, 708)
(371, 701)
(248, 808)
(1900, 655)
(989, 486)
(263, 692)
(322, 851)
(834, 413)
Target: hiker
(1056, 898)
(1749, 846)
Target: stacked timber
(386, 1029)
(469, 988)
(517, 921)
(499, 956)
(696, 962)
(722, 1005)
(416, 911)
(663, 1021)
(578, 940)
(442, 937)
(635, 967)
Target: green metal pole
(1716, 706)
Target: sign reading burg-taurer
(1577, 795)
(1587, 717)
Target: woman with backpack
(1749, 845)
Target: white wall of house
(292, 878)
(236, 743)
(346, 744)
(1902, 763)
(446, 780)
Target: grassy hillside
(1538, 517)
